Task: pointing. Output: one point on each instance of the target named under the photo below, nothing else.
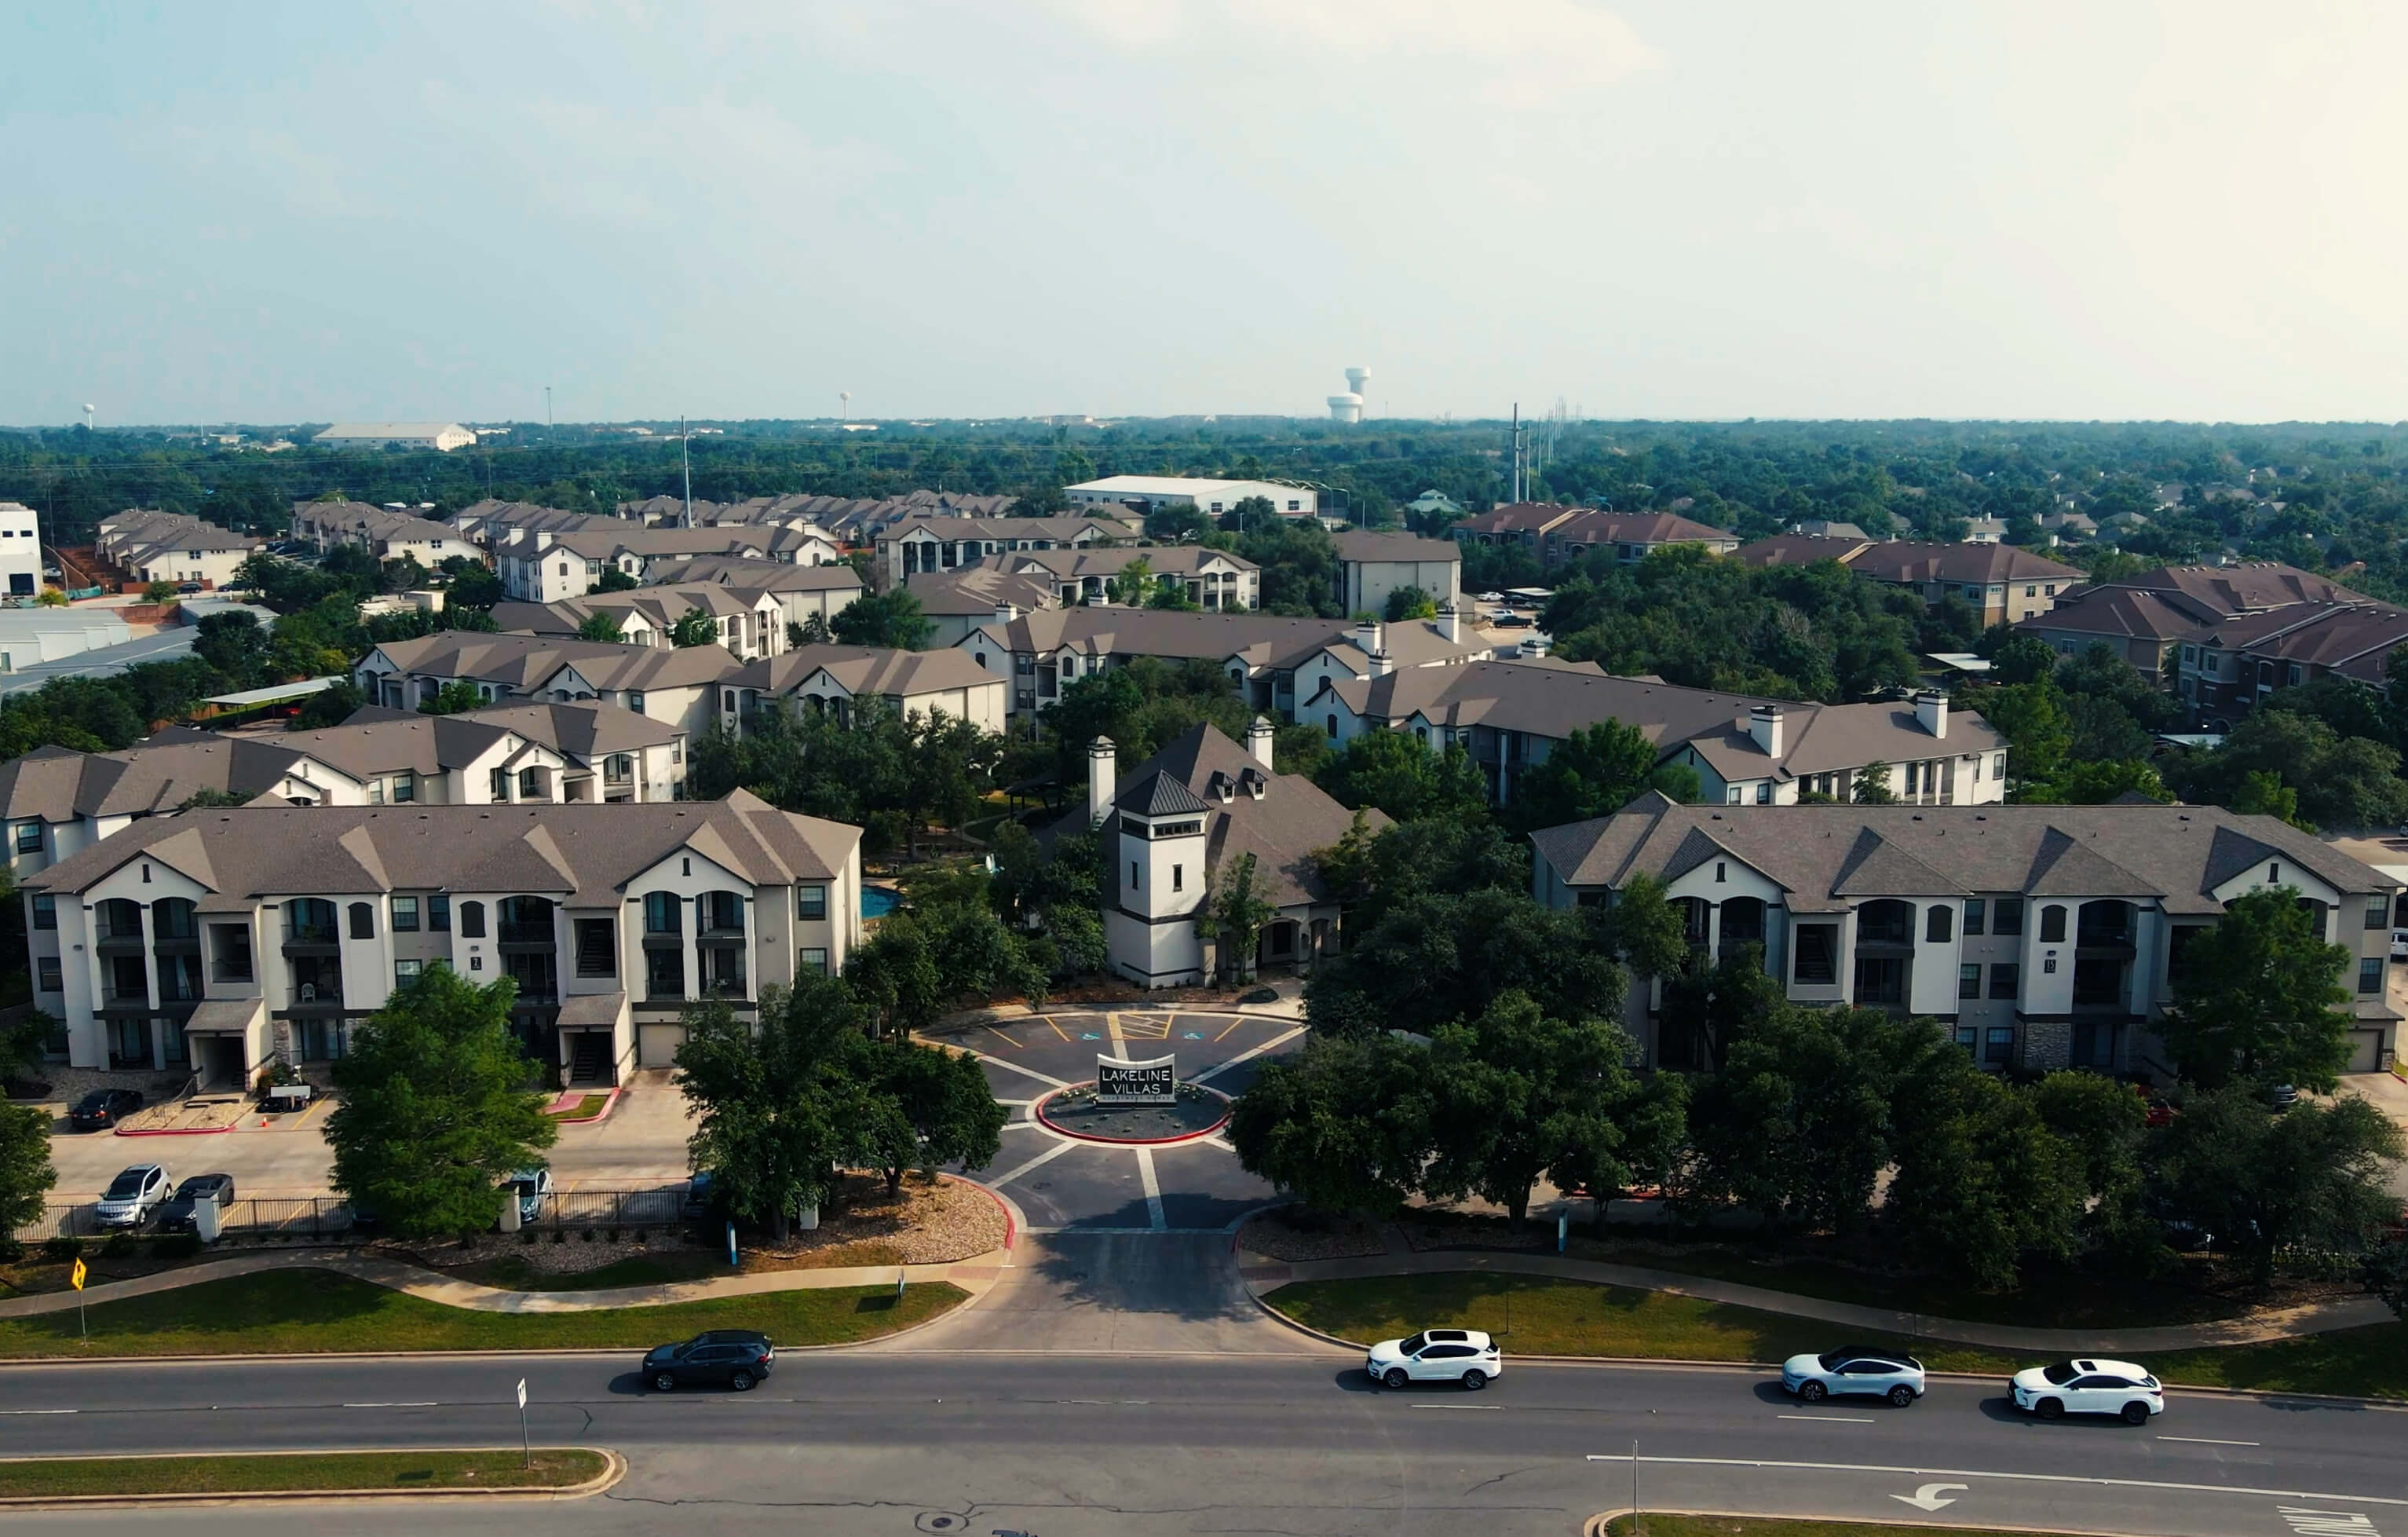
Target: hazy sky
(1665, 209)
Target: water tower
(1348, 407)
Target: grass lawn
(587, 1107)
(1539, 1316)
(300, 1312)
(1767, 1526)
(224, 1472)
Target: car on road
(1856, 1370)
(1464, 1356)
(176, 1214)
(2089, 1387)
(730, 1357)
(103, 1108)
(532, 1184)
(133, 1196)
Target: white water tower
(87, 417)
(1348, 407)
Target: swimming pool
(878, 901)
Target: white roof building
(443, 437)
(1152, 492)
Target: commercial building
(443, 437)
(21, 551)
(219, 939)
(2041, 935)
(1371, 564)
(1145, 493)
(152, 546)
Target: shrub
(587, 1233)
(527, 1235)
(62, 1248)
(176, 1247)
(10, 1251)
(117, 1247)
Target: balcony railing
(305, 995)
(310, 933)
(524, 933)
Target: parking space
(1026, 1057)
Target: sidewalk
(974, 1275)
(1263, 1275)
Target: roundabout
(1075, 1111)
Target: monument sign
(1152, 1082)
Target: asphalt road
(1294, 1441)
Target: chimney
(1382, 664)
(1258, 741)
(1103, 766)
(1763, 724)
(1450, 622)
(1931, 713)
(1368, 637)
(1006, 613)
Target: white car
(2089, 1387)
(2399, 944)
(1436, 1355)
(132, 1196)
(1858, 1369)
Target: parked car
(103, 1108)
(1858, 1369)
(2099, 1386)
(133, 1196)
(2399, 944)
(736, 1358)
(702, 1198)
(532, 1186)
(188, 587)
(1437, 1355)
(176, 1212)
(2279, 1097)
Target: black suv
(736, 1356)
(103, 1109)
(176, 1212)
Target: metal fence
(330, 1217)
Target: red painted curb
(1038, 1111)
(1009, 1230)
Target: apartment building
(2004, 583)
(803, 592)
(749, 623)
(2042, 937)
(1213, 580)
(2147, 617)
(217, 940)
(538, 566)
(1374, 564)
(916, 544)
(21, 550)
(957, 603)
(835, 680)
(2226, 671)
(388, 533)
(1510, 714)
(677, 687)
(148, 546)
(1143, 494)
(1553, 533)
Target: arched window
(1939, 923)
(363, 921)
(525, 920)
(719, 911)
(2052, 923)
(661, 913)
(309, 920)
(173, 918)
(472, 920)
(120, 919)
(1886, 921)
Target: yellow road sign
(77, 1276)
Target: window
(501, 784)
(1764, 793)
(2008, 917)
(438, 915)
(2369, 976)
(1937, 923)
(1999, 1044)
(531, 784)
(405, 914)
(405, 789)
(1975, 911)
(810, 903)
(727, 700)
(29, 838)
(363, 921)
(1132, 875)
(2378, 912)
(46, 910)
(407, 971)
(1330, 723)
(2031, 592)
(1818, 946)
(2052, 923)
(48, 979)
(661, 915)
(2275, 874)
(472, 922)
(1721, 871)
(810, 963)
(1997, 766)
(1178, 877)
(598, 947)
(1968, 1038)
(2006, 980)
(636, 700)
(1968, 981)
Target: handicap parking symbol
(1191, 1035)
(1089, 1035)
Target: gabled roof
(866, 670)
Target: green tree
(616, 581)
(605, 628)
(2257, 1000)
(892, 619)
(943, 1099)
(1596, 771)
(1409, 603)
(233, 643)
(439, 1105)
(1133, 588)
(812, 631)
(473, 586)
(1981, 1180)
(1872, 787)
(2256, 1183)
(1404, 777)
(452, 698)
(159, 592)
(695, 627)
(1344, 1126)
(27, 1172)
(1432, 957)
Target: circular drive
(1198, 1112)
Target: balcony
(311, 937)
(524, 933)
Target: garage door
(656, 1044)
(2365, 1051)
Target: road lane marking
(1831, 1420)
(1224, 1034)
(1274, 1043)
(1485, 1406)
(1112, 1024)
(1153, 1218)
(414, 1403)
(1984, 1472)
(1051, 1153)
(1007, 1038)
(2209, 1440)
(40, 1411)
(1044, 1078)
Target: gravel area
(1271, 1236)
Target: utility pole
(685, 464)
(547, 408)
(1514, 483)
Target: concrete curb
(1037, 1113)
(614, 1468)
(1601, 1523)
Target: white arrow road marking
(2327, 1523)
(1929, 1497)
(2020, 1477)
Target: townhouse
(1213, 580)
(2042, 937)
(803, 592)
(217, 940)
(1271, 659)
(152, 546)
(2004, 583)
(835, 680)
(1371, 564)
(924, 543)
(1180, 821)
(677, 687)
(748, 622)
(1507, 715)
(388, 533)
(543, 567)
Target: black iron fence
(330, 1216)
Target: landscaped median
(233, 1475)
(299, 1311)
(1542, 1316)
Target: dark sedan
(735, 1358)
(102, 1109)
(176, 1212)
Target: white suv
(2089, 1387)
(132, 1196)
(1436, 1355)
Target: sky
(1661, 208)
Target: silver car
(1858, 1370)
(132, 1196)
